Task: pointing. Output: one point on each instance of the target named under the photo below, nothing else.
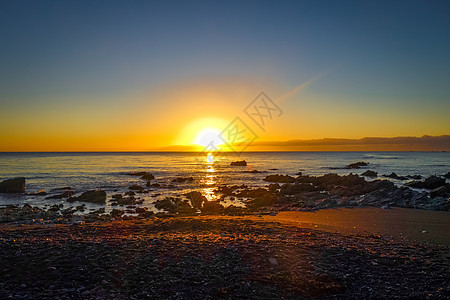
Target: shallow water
(107, 171)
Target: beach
(202, 229)
(213, 256)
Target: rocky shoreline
(282, 192)
(193, 248)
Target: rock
(136, 187)
(273, 261)
(395, 176)
(279, 178)
(370, 173)
(430, 183)
(447, 175)
(115, 213)
(212, 208)
(14, 185)
(174, 205)
(294, 189)
(65, 194)
(182, 179)
(77, 220)
(238, 163)
(197, 199)
(357, 165)
(95, 196)
(148, 177)
(254, 171)
(442, 191)
(417, 177)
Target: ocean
(109, 171)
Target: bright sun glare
(208, 136)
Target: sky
(149, 75)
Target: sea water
(109, 171)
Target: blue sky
(390, 52)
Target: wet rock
(357, 165)
(370, 173)
(442, 191)
(116, 213)
(148, 177)
(38, 193)
(14, 185)
(95, 196)
(238, 163)
(430, 183)
(65, 194)
(212, 208)
(273, 187)
(117, 197)
(136, 187)
(183, 179)
(395, 176)
(279, 178)
(447, 175)
(175, 206)
(416, 177)
(196, 198)
(254, 171)
(292, 189)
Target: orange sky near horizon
(162, 117)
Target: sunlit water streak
(107, 171)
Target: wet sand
(409, 224)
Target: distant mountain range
(424, 143)
(408, 143)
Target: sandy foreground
(335, 253)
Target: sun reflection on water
(209, 179)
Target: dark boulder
(279, 178)
(370, 173)
(238, 163)
(447, 175)
(212, 208)
(293, 189)
(136, 187)
(430, 183)
(97, 196)
(116, 213)
(416, 177)
(357, 165)
(174, 205)
(148, 177)
(14, 185)
(183, 179)
(442, 191)
(197, 199)
(395, 176)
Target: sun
(209, 136)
